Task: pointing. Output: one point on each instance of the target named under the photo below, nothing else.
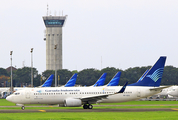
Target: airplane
(115, 80)
(100, 81)
(86, 96)
(174, 91)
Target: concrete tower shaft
(54, 26)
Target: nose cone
(172, 93)
(9, 98)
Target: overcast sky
(97, 33)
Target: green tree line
(22, 76)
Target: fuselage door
(27, 94)
(138, 92)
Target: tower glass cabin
(53, 39)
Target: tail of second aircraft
(115, 80)
(48, 82)
(71, 81)
(100, 81)
(153, 76)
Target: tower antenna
(47, 9)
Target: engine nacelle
(72, 102)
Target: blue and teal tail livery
(115, 80)
(101, 80)
(71, 81)
(154, 75)
(48, 82)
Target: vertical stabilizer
(115, 80)
(71, 81)
(154, 75)
(101, 80)
(48, 82)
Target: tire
(85, 106)
(23, 107)
(90, 106)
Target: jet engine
(72, 102)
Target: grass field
(156, 115)
(92, 116)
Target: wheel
(23, 107)
(90, 106)
(85, 106)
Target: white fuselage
(57, 95)
(174, 91)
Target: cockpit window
(16, 93)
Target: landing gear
(23, 107)
(85, 106)
(89, 106)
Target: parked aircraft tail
(115, 80)
(100, 81)
(71, 81)
(154, 75)
(48, 82)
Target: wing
(95, 98)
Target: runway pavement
(90, 110)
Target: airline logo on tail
(156, 75)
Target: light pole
(31, 67)
(55, 47)
(11, 73)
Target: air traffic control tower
(53, 39)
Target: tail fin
(71, 81)
(48, 82)
(100, 81)
(154, 75)
(140, 79)
(115, 80)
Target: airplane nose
(169, 93)
(9, 98)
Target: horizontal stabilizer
(159, 88)
(123, 88)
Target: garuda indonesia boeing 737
(86, 96)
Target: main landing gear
(89, 106)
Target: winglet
(123, 88)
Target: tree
(23, 77)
